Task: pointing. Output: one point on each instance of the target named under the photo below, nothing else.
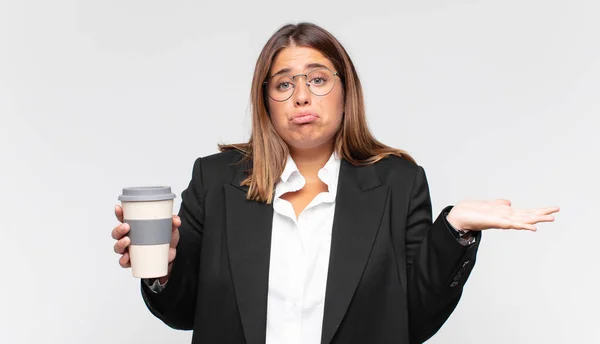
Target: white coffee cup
(149, 212)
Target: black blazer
(394, 277)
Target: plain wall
(495, 99)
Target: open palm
(479, 215)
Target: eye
(318, 80)
(283, 86)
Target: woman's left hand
(477, 215)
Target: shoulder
(395, 164)
(228, 158)
(394, 169)
(218, 167)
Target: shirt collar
(290, 167)
(329, 173)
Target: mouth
(304, 117)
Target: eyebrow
(307, 66)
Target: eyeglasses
(320, 82)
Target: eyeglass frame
(307, 85)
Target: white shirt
(300, 258)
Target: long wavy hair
(266, 150)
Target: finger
(540, 211)
(544, 218)
(524, 226)
(176, 222)
(525, 211)
(124, 260)
(535, 212)
(548, 210)
(536, 216)
(504, 201)
(119, 231)
(513, 222)
(172, 254)
(119, 212)
(122, 245)
(174, 238)
(532, 219)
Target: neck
(310, 161)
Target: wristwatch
(464, 237)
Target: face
(306, 120)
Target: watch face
(468, 241)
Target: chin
(307, 143)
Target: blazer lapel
(359, 207)
(249, 226)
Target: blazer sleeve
(175, 304)
(437, 264)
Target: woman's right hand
(122, 244)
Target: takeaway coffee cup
(149, 212)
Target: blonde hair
(266, 149)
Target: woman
(314, 231)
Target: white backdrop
(493, 99)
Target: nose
(301, 94)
